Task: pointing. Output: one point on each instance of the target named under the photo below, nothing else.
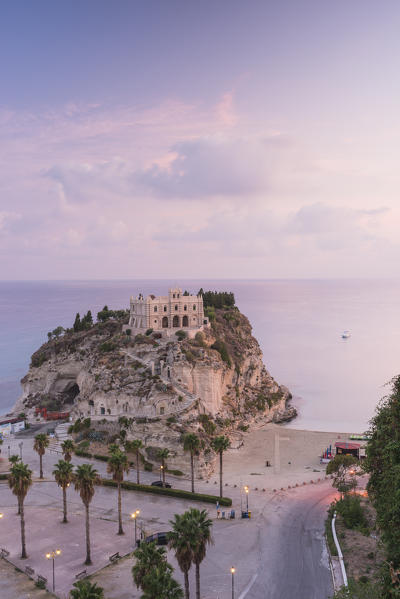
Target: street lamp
(246, 489)
(233, 582)
(52, 555)
(161, 472)
(1, 515)
(134, 516)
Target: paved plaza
(257, 548)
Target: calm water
(336, 383)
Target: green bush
(181, 335)
(83, 454)
(149, 332)
(99, 456)
(221, 348)
(129, 486)
(107, 346)
(174, 472)
(352, 512)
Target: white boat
(345, 334)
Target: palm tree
(85, 478)
(181, 539)
(148, 556)
(191, 443)
(153, 574)
(13, 459)
(41, 442)
(84, 589)
(68, 448)
(63, 473)
(202, 534)
(160, 584)
(19, 481)
(135, 447)
(163, 454)
(117, 465)
(219, 445)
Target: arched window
(165, 308)
(185, 308)
(173, 296)
(155, 308)
(176, 307)
(185, 321)
(194, 306)
(162, 410)
(175, 321)
(165, 322)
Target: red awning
(342, 445)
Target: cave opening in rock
(71, 392)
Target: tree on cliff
(191, 443)
(77, 323)
(85, 479)
(219, 445)
(19, 481)
(135, 447)
(117, 465)
(63, 474)
(40, 444)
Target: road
(293, 560)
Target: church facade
(168, 313)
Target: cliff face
(213, 384)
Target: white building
(167, 313)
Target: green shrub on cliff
(221, 348)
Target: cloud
(214, 166)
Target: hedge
(3, 476)
(83, 454)
(181, 493)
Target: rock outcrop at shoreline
(216, 383)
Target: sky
(179, 139)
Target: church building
(168, 313)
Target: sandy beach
(293, 455)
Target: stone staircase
(189, 398)
(61, 434)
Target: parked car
(161, 538)
(159, 483)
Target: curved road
(293, 560)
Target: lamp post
(246, 489)
(161, 472)
(52, 555)
(233, 582)
(134, 516)
(20, 449)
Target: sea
(336, 383)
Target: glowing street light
(233, 570)
(134, 516)
(52, 555)
(246, 490)
(1, 515)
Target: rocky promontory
(214, 383)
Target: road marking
(247, 589)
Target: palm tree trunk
(192, 469)
(220, 473)
(197, 581)
(19, 507)
(186, 577)
(41, 465)
(23, 552)
(65, 504)
(120, 530)
(137, 468)
(88, 561)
